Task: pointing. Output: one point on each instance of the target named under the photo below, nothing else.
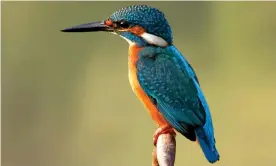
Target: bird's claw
(162, 130)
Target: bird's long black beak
(89, 27)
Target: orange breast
(155, 114)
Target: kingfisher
(160, 76)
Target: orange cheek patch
(108, 23)
(137, 30)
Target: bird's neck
(132, 70)
(133, 53)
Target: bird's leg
(162, 130)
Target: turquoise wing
(173, 90)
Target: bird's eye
(123, 24)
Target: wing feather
(166, 80)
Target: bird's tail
(208, 147)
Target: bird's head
(139, 24)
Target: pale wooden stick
(164, 152)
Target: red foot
(162, 130)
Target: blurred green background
(66, 99)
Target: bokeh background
(66, 99)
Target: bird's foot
(162, 130)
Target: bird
(160, 75)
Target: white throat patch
(129, 41)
